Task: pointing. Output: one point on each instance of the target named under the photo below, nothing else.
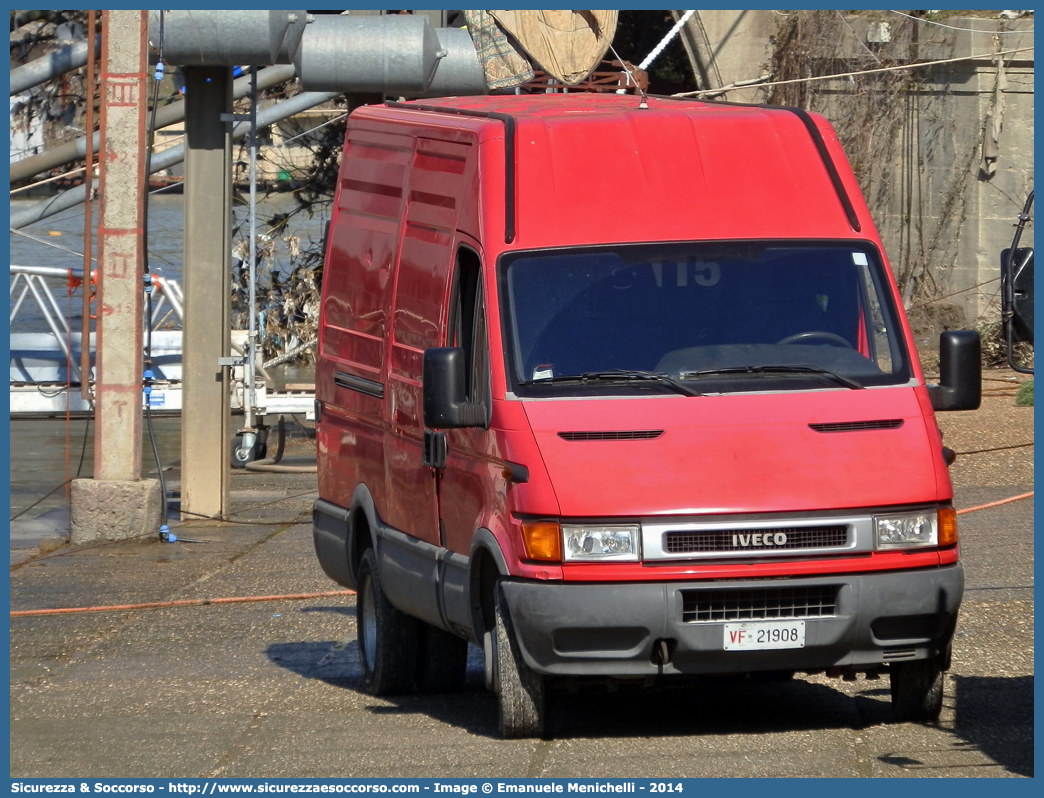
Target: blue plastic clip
(167, 536)
(159, 71)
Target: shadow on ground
(995, 715)
(699, 706)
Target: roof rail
(509, 152)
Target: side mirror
(445, 400)
(960, 372)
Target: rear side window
(467, 328)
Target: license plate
(758, 635)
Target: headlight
(589, 542)
(907, 530)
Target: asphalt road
(274, 689)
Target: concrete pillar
(205, 414)
(117, 503)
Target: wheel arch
(487, 565)
(362, 528)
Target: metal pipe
(18, 304)
(156, 308)
(166, 288)
(459, 72)
(169, 290)
(260, 370)
(50, 323)
(167, 115)
(54, 305)
(252, 277)
(175, 286)
(230, 37)
(164, 160)
(46, 271)
(62, 60)
(88, 219)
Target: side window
(878, 339)
(467, 328)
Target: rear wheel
(519, 688)
(917, 689)
(442, 660)
(387, 637)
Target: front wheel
(387, 637)
(917, 689)
(519, 688)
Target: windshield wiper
(774, 369)
(619, 375)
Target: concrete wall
(944, 220)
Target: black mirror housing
(960, 372)
(445, 399)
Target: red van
(626, 392)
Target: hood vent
(858, 426)
(623, 435)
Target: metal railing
(38, 283)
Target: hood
(780, 452)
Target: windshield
(715, 316)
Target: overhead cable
(964, 30)
(897, 68)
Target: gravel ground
(998, 424)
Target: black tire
(387, 638)
(917, 690)
(442, 660)
(520, 690)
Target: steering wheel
(825, 337)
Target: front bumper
(613, 629)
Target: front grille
(858, 426)
(622, 435)
(806, 537)
(759, 604)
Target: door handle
(435, 449)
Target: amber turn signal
(543, 540)
(947, 526)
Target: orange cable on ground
(155, 605)
(328, 594)
(1009, 500)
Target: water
(64, 232)
(39, 463)
(38, 448)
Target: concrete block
(114, 509)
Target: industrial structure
(361, 54)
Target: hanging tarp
(565, 44)
(501, 62)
